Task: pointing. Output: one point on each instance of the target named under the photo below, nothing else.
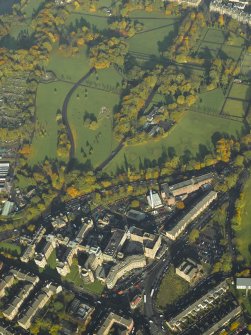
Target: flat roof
(243, 281)
(114, 242)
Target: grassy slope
(243, 235)
(48, 101)
(74, 277)
(171, 288)
(102, 145)
(191, 131)
(70, 68)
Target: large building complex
(4, 171)
(171, 193)
(181, 225)
(123, 267)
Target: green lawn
(155, 36)
(52, 262)
(74, 277)
(235, 107)
(240, 91)
(47, 102)
(171, 288)
(193, 130)
(214, 35)
(99, 139)
(210, 102)
(243, 232)
(10, 248)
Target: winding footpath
(69, 131)
(65, 107)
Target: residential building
(12, 310)
(5, 283)
(38, 303)
(4, 331)
(225, 321)
(179, 227)
(243, 283)
(123, 267)
(115, 319)
(178, 323)
(236, 11)
(189, 270)
(4, 169)
(191, 3)
(170, 194)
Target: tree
(180, 205)
(194, 235)
(135, 204)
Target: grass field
(213, 43)
(243, 233)
(214, 35)
(193, 130)
(99, 139)
(171, 288)
(235, 107)
(246, 65)
(155, 36)
(210, 102)
(231, 51)
(240, 91)
(47, 102)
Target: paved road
(65, 106)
